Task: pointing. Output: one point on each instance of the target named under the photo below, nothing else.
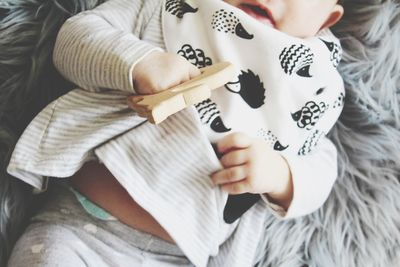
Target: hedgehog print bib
(287, 91)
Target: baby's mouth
(259, 13)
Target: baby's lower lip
(252, 13)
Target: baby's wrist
(282, 194)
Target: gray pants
(64, 234)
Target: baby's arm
(100, 49)
(295, 185)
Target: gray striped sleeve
(61, 138)
(98, 48)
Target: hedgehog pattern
(339, 101)
(311, 142)
(294, 59)
(249, 87)
(297, 59)
(309, 115)
(179, 8)
(271, 139)
(336, 52)
(210, 115)
(227, 22)
(207, 109)
(195, 56)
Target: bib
(287, 90)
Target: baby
(101, 49)
(244, 157)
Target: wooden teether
(157, 107)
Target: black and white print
(320, 91)
(179, 8)
(311, 142)
(336, 52)
(309, 114)
(249, 87)
(271, 139)
(227, 22)
(339, 101)
(210, 115)
(297, 59)
(207, 109)
(195, 56)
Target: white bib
(287, 90)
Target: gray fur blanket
(359, 225)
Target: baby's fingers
(235, 158)
(236, 188)
(229, 175)
(235, 140)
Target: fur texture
(359, 225)
(28, 81)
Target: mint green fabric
(92, 208)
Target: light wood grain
(157, 107)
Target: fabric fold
(161, 165)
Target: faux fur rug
(359, 225)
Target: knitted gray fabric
(359, 225)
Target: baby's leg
(48, 245)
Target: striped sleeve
(62, 136)
(99, 48)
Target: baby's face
(299, 18)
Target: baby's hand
(251, 165)
(159, 71)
